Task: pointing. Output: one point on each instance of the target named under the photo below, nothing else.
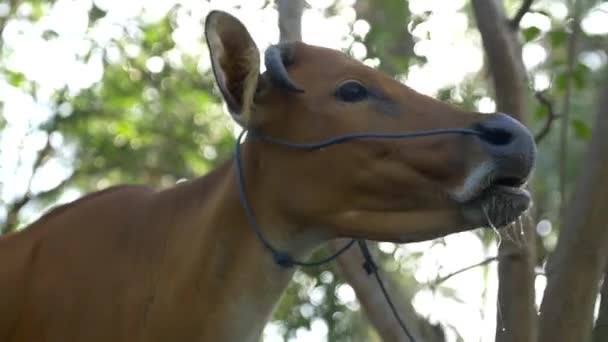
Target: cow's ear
(235, 60)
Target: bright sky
(453, 53)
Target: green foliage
(582, 82)
(16, 79)
(531, 33)
(136, 127)
(558, 37)
(300, 304)
(581, 129)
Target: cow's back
(81, 266)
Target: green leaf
(16, 79)
(580, 75)
(557, 37)
(581, 129)
(561, 80)
(531, 33)
(49, 34)
(96, 13)
(38, 9)
(540, 112)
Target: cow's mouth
(501, 202)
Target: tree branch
(565, 122)
(13, 210)
(525, 7)
(503, 53)
(575, 267)
(12, 220)
(484, 262)
(517, 318)
(551, 116)
(12, 215)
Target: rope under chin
(283, 259)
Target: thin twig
(41, 157)
(481, 263)
(14, 209)
(12, 215)
(551, 115)
(525, 7)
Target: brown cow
(182, 264)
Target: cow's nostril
(495, 136)
(509, 181)
(510, 147)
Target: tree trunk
(388, 37)
(516, 320)
(575, 268)
(374, 304)
(290, 19)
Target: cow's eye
(351, 91)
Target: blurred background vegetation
(95, 93)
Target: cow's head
(395, 190)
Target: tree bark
(503, 53)
(575, 268)
(290, 19)
(516, 320)
(388, 37)
(374, 304)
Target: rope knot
(283, 259)
(370, 267)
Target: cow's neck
(238, 281)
